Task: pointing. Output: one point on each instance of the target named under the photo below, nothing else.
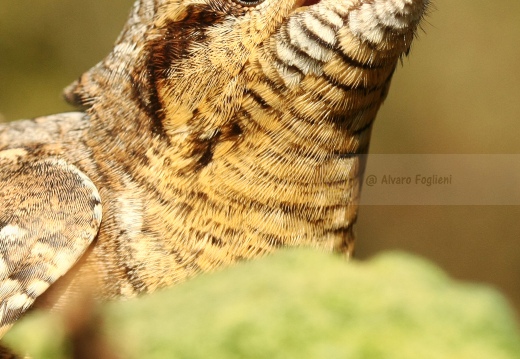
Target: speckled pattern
(215, 131)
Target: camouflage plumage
(215, 131)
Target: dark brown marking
(258, 99)
(170, 49)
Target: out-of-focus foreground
(297, 304)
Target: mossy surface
(303, 304)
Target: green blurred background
(458, 92)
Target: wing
(49, 214)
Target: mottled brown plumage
(215, 131)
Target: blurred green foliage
(304, 304)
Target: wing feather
(50, 212)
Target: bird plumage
(215, 131)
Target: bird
(215, 131)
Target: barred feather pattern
(220, 130)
